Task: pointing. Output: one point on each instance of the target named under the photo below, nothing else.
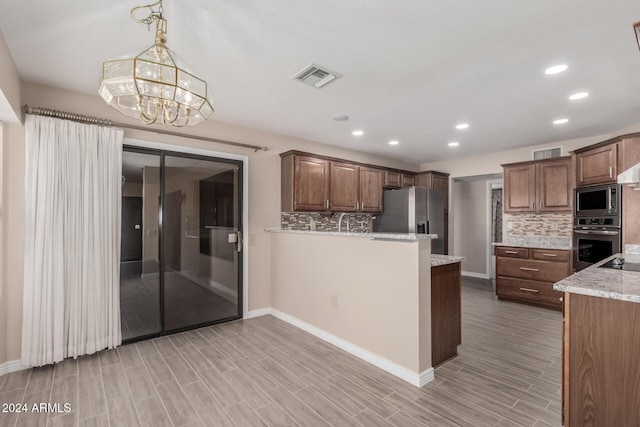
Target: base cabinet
(527, 275)
(601, 380)
(446, 321)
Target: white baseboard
(257, 313)
(417, 380)
(476, 275)
(11, 366)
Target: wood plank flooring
(265, 372)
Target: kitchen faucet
(340, 222)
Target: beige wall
(263, 190)
(383, 293)
(470, 207)
(10, 101)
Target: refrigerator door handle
(427, 226)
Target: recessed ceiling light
(556, 69)
(560, 121)
(357, 133)
(341, 118)
(462, 126)
(579, 95)
(394, 142)
(454, 144)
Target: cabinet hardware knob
(549, 255)
(361, 205)
(533, 206)
(541, 205)
(511, 252)
(528, 269)
(529, 290)
(561, 299)
(610, 171)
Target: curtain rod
(105, 122)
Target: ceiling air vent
(316, 76)
(548, 153)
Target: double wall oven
(597, 223)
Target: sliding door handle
(239, 245)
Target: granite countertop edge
(604, 282)
(437, 259)
(373, 236)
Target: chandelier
(155, 86)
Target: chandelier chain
(153, 14)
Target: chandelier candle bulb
(155, 86)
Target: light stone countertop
(437, 259)
(605, 282)
(542, 242)
(412, 237)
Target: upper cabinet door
(554, 186)
(408, 180)
(520, 188)
(392, 179)
(597, 166)
(344, 187)
(311, 184)
(371, 181)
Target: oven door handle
(601, 232)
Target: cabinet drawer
(550, 255)
(544, 271)
(512, 252)
(526, 290)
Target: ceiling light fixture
(462, 126)
(453, 144)
(579, 95)
(357, 133)
(560, 121)
(394, 142)
(556, 69)
(341, 118)
(154, 86)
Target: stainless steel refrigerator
(414, 210)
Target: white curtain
(72, 250)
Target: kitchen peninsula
(369, 293)
(601, 343)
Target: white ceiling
(412, 69)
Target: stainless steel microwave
(598, 201)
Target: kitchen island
(368, 293)
(601, 379)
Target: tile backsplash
(323, 221)
(547, 225)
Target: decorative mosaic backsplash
(322, 221)
(549, 225)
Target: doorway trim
(491, 185)
(245, 196)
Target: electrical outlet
(334, 300)
(252, 239)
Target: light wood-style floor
(265, 372)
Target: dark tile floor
(266, 372)
(186, 302)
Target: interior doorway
(189, 269)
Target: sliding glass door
(190, 233)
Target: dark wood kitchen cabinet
(408, 180)
(598, 165)
(446, 321)
(371, 180)
(601, 379)
(538, 186)
(527, 275)
(345, 187)
(392, 179)
(317, 184)
(306, 180)
(519, 188)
